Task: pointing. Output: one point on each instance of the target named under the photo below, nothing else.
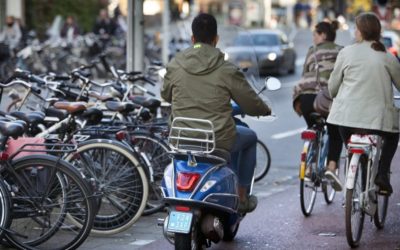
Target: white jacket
(361, 85)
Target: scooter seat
(222, 154)
(211, 158)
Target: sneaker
(382, 181)
(249, 205)
(335, 182)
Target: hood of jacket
(200, 59)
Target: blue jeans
(243, 154)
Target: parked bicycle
(41, 190)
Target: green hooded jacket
(199, 83)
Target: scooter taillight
(187, 181)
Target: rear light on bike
(303, 157)
(357, 151)
(308, 135)
(4, 156)
(182, 208)
(187, 181)
(120, 135)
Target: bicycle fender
(351, 173)
(303, 160)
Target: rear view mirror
(272, 83)
(162, 73)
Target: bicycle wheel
(156, 151)
(5, 206)
(381, 210)
(121, 186)
(329, 192)
(354, 214)
(263, 161)
(44, 190)
(308, 185)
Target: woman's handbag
(323, 100)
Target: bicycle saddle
(71, 107)
(100, 97)
(13, 129)
(30, 118)
(123, 107)
(92, 116)
(53, 112)
(150, 103)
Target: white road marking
(300, 61)
(288, 133)
(290, 84)
(141, 242)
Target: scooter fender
(167, 183)
(217, 185)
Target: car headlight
(272, 56)
(226, 56)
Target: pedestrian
(200, 84)
(361, 85)
(70, 29)
(317, 68)
(11, 33)
(104, 26)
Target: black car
(271, 47)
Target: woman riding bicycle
(323, 54)
(361, 85)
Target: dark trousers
(335, 140)
(389, 146)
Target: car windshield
(258, 40)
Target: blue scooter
(199, 188)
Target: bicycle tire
(262, 167)
(381, 210)
(156, 151)
(53, 198)
(353, 208)
(308, 184)
(120, 182)
(329, 192)
(5, 208)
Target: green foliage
(40, 13)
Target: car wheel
(293, 68)
(283, 71)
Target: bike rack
(198, 138)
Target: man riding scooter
(200, 84)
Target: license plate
(179, 222)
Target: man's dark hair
(204, 28)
